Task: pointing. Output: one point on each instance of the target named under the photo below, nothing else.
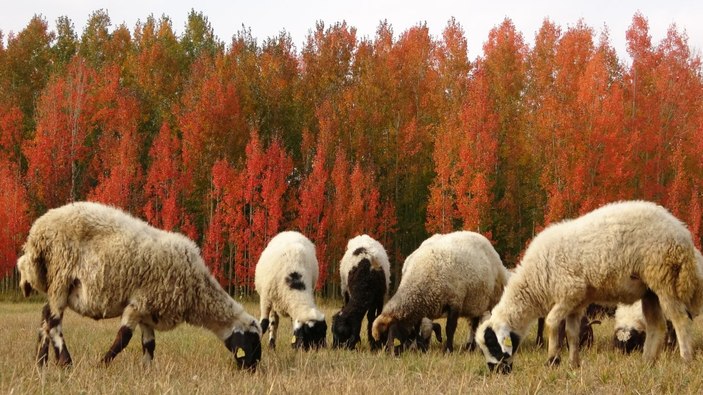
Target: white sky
(267, 18)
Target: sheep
(365, 277)
(631, 329)
(425, 331)
(285, 277)
(459, 274)
(620, 252)
(101, 263)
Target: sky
(267, 18)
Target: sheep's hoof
(449, 349)
(553, 361)
(272, 344)
(470, 346)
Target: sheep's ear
(380, 326)
(505, 339)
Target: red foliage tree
(116, 163)
(163, 190)
(57, 153)
(14, 215)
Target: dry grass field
(191, 360)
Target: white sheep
(285, 278)
(630, 327)
(620, 252)
(365, 277)
(102, 263)
(459, 274)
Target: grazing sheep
(365, 277)
(631, 329)
(618, 253)
(102, 263)
(586, 337)
(459, 274)
(425, 331)
(285, 278)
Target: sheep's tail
(687, 282)
(375, 263)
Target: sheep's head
(344, 332)
(398, 336)
(26, 275)
(310, 334)
(628, 340)
(245, 344)
(498, 345)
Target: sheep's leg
(44, 338)
(553, 319)
(148, 343)
(676, 312)
(656, 326)
(51, 332)
(130, 319)
(274, 319)
(539, 340)
(573, 328)
(52, 315)
(371, 316)
(452, 320)
(264, 320)
(470, 343)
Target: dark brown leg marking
(149, 348)
(124, 335)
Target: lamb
(365, 277)
(631, 329)
(425, 331)
(285, 278)
(459, 274)
(620, 252)
(101, 262)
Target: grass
(191, 360)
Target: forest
(399, 136)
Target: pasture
(191, 360)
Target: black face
(26, 289)
(400, 337)
(629, 340)
(505, 362)
(311, 336)
(246, 347)
(344, 334)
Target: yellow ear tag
(396, 342)
(241, 353)
(507, 342)
(292, 340)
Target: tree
(199, 39)
(219, 245)
(213, 127)
(313, 207)
(57, 154)
(115, 164)
(95, 39)
(14, 215)
(163, 190)
(475, 171)
(505, 65)
(28, 62)
(66, 45)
